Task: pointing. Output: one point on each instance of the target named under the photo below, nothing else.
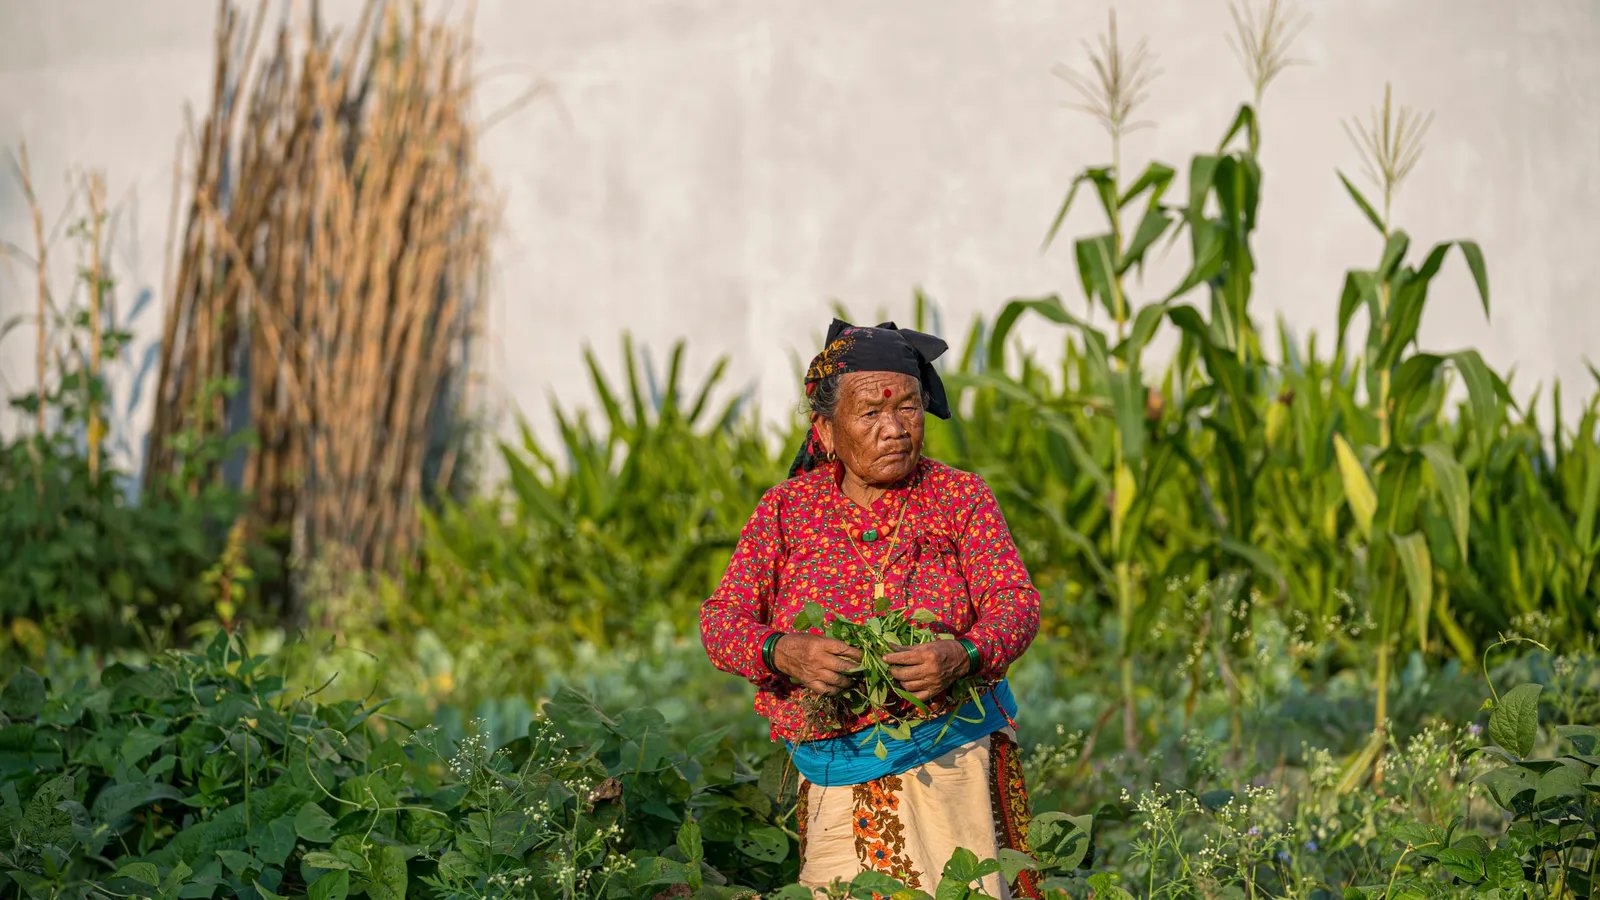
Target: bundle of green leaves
(875, 692)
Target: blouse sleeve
(1006, 602)
(735, 619)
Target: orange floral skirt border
(907, 825)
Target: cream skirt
(908, 825)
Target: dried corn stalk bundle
(329, 265)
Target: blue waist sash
(843, 760)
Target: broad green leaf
(1561, 782)
(963, 868)
(1504, 870)
(868, 884)
(318, 859)
(1360, 288)
(1155, 178)
(24, 695)
(142, 872)
(1209, 243)
(1463, 864)
(388, 879)
(42, 821)
(238, 862)
(1105, 887)
(1589, 506)
(766, 843)
(1151, 227)
(1515, 720)
(175, 878)
(1418, 565)
(1358, 490)
(1014, 863)
(1126, 489)
(274, 841)
(1097, 273)
(1414, 375)
(1050, 307)
(1454, 492)
(139, 743)
(689, 842)
(1483, 394)
(660, 870)
(331, 886)
(1506, 782)
(1394, 250)
(118, 799)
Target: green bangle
(974, 660)
(769, 646)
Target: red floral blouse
(955, 558)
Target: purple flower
(1283, 856)
(1474, 729)
(1255, 831)
(1312, 846)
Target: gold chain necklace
(878, 573)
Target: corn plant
(1417, 478)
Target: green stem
(1118, 295)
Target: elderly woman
(863, 523)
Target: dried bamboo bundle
(329, 264)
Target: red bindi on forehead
(887, 393)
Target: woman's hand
(820, 663)
(927, 670)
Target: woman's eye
(870, 414)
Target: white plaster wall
(723, 170)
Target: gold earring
(832, 457)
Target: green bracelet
(769, 646)
(974, 660)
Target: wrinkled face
(876, 431)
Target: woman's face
(876, 430)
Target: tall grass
(329, 264)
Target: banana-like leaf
(1415, 561)
(1097, 266)
(1358, 490)
(1394, 250)
(1450, 477)
(1155, 178)
(1360, 288)
(1485, 393)
(1151, 227)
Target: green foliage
(206, 773)
(646, 506)
(83, 561)
(1406, 477)
(874, 690)
(202, 775)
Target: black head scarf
(886, 348)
